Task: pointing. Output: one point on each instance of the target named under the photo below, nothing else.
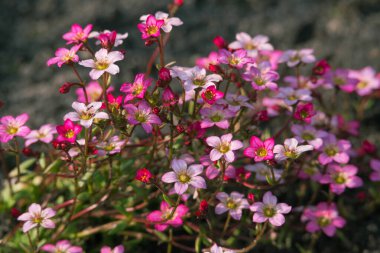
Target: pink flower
(205, 62)
(252, 45)
(261, 76)
(310, 170)
(65, 56)
(143, 175)
(323, 217)
(292, 96)
(184, 176)
(169, 98)
(44, 134)
(341, 177)
(233, 203)
(136, 89)
(295, 57)
(309, 134)
(334, 150)
(151, 27)
(94, 92)
(117, 249)
(260, 150)
(142, 115)
(108, 39)
(338, 123)
(111, 146)
(304, 112)
(235, 102)
(211, 95)
(103, 63)
(340, 78)
(262, 171)
(216, 116)
(63, 246)
(270, 210)
(197, 78)
(11, 127)
(375, 165)
(77, 34)
(223, 147)
(290, 150)
(164, 218)
(68, 131)
(236, 59)
(367, 81)
(114, 102)
(211, 170)
(168, 22)
(37, 217)
(217, 249)
(86, 114)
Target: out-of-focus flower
(168, 22)
(304, 112)
(44, 134)
(309, 134)
(111, 146)
(11, 127)
(77, 34)
(114, 39)
(216, 116)
(295, 57)
(262, 171)
(252, 45)
(65, 56)
(334, 150)
(117, 249)
(340, 177)
(236, 59)
(165, 217)
(292, 96)
(367, 81)
(375, 165)
(63, 246)
(143, 175)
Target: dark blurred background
(345, 31)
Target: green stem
(170, 246)
(226, 224)
(17, 151)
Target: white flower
(86, 114)
(223, 147)
(290, 149)
(294, 57)
(252, 45)
(104, 62)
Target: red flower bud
(203, 206)
(65, 88)
(27, 151)
(156, 110)
(180, 128)
(214, 68)
(178, 2)
(263, 115)
(220, 42)
(164, 74)
(251, 197)
(15, 212)
(143, 175)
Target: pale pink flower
(150, 28)
(11, 127)
(86, 114)
(338, 123)
(261, 76)
(235, 102)
(94, 92)
(260, 150)
(367, 81)
(211, 170)
(340, 78)
(216, 115)
(183, 176)
(37, 217)
(334, 150)
(375, 165)
(103, 63)
(263, 171)
(142, 114)
(217, 249)
(295, 57)
(136, 89)
(117, 249)
(323, 217)
(63, 246)
(233, 203)
(309, 134)
(236, 59)
(168, 22)
(77, 34)
(290, 150)
(163, 217)
(223, 147)
(44, 134)
(340, 177)
(65, 56)
(111, 146)
(252, 45)
(292, 96)
(197, 78)
(270, 210)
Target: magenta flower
(309, 134)
(164, 218)
(86, 114)
(252, 45)
(94, 92)
(223, 147)
(270, 210)
(323, 217)
(236, 59)
(261, 76)
(304, 112)
(142, 115)
(111, 146)
(37, 217)
(151, 27)
(341, 177)
(11, 127)
(136, 89)
(65, 56)
(108, 39)
(334, 150)
(103, 63)
(375, 165)
(216, 115)
(184, 176)
(168, 22)
(367, 81)
(63, 246)
(68, 131)
(211, 170)
(290, 150)
(44, 134)
(117, 249)
(114, 102)
(205, 62)
(77, 34)
(211, 95)
(169, 98)
(260, 150)
(233, 203)
(338, 123)
(295, 57)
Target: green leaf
(54, 166)
(24, 166)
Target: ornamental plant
(252, 149)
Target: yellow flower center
(101, 64)
(307, 136)
(339, 178)
(362, 84)
(331, 151)
(138, 89)
(140, 117)
(151, 30)
(338, 81)
(199, 82)
(323, 221)
(86, 115)
(12, 130)
(69, 134)
(216, 118)
(269, 212)
(233, 60)
(261, 152)
(184, 178)
(291, 154)
(37, 219)
(249, 46)
(231, 204)
(259, 81)
(224, 148)
(110, 147)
